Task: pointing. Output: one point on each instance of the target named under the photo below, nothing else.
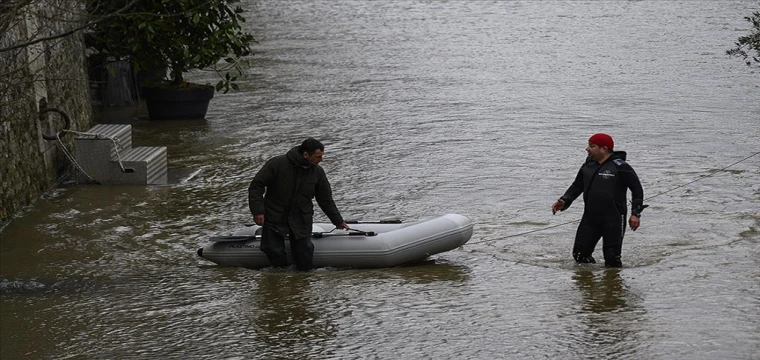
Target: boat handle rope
(651, 197)
(317, 234)
(354, 233)
(388, 221)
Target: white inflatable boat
(369, 245)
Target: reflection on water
(607, 313)
(425, 272)
(41, 287)
(287, 318)
(299, 313)
(602, 291)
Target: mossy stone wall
(51, 73)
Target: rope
(116, 145)
(704, 176)
(71, 157)
(653, 196)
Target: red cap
(602, 140)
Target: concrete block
(97, 155)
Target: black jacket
(291, 182)
(604, 188)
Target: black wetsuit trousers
(273, 245)
(610, 229)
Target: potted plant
(182, 35)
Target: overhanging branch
(69, 32)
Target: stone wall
(50, 73)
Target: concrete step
(122, 132)
(149, 163)
(98, 153)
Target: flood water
(480, 108)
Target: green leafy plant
(747, 44)
(181, 34)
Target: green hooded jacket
(283, 190)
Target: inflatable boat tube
(370, 245)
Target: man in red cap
(603, 180)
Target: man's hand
(558, 206)
(634, 222)
(259, 219)
(342, 225)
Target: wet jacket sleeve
(575, 190)
(323, 195)
(258, 186)
(631, 180)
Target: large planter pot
(177, 103)
(145, 76)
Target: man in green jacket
(280, 197)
